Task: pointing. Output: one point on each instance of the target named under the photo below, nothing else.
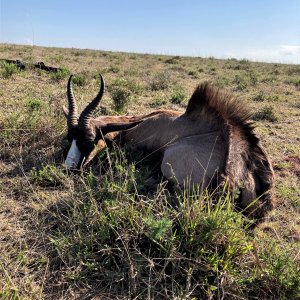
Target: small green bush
(193, 74)
(113, 69)
(8, 70)
(293, 81)
(172, 60)
(48, 176)
(241, 82)
(261, 96)
(294, 70)
(158, 102)
(80, 80)
(178, 95)
(160, 81)
(245, 79)
(34, 104)
(60, 74)
(266, 113)
(121, 91)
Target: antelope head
(84, 132)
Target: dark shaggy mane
(246, 160)
(206, 97)
(223, 105)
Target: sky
(258, 30)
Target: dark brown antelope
(212, 141)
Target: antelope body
(212, 141)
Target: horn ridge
(73, 114)
(88, 111)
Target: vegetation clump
(8, 70)
(122, 92)
(267, 113)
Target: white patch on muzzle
(73, 156)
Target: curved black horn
(88, 111)
(73, 114)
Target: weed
(293, 70)
(60, 74)
(57, 58)
(8, 70)
(261, 96)
(178, 95)
(293, 81)
(34, 104)
(80, 80)
(267, 113)
(221, 81)
(160, 81)
(241, 82)
(113, 69)
(269, 79)
(121, 91)
(193, 74)
(245, 79)
(48, 175)
(173, 60)
(158, 102)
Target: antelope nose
(73, 156)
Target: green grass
(60, 74)
(118, 231)
(7, 70)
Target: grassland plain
(117, 232)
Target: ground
(58, 230)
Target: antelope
(212, 141)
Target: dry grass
(64, 236)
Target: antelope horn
(88, 111)
(73, 114)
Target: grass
(8, 70)
(118, 231)
(122, 92)
(266, 113)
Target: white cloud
(280, 53)
(289, 50)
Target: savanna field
(118, 231)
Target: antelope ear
(66, 111)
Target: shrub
(266, 113)
(34, 104)
(178, 95)
(160, 81)
(172, 60)
(245, 79)
(113, 69)
(158, 102)
(48, 176)
(60, 74)
(121, 91)
(294, 70)
(80, 80)
(241, 82)
(193, 74)
(293, 81)
(259, 97)
(8, 70)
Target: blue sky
(260, 30)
